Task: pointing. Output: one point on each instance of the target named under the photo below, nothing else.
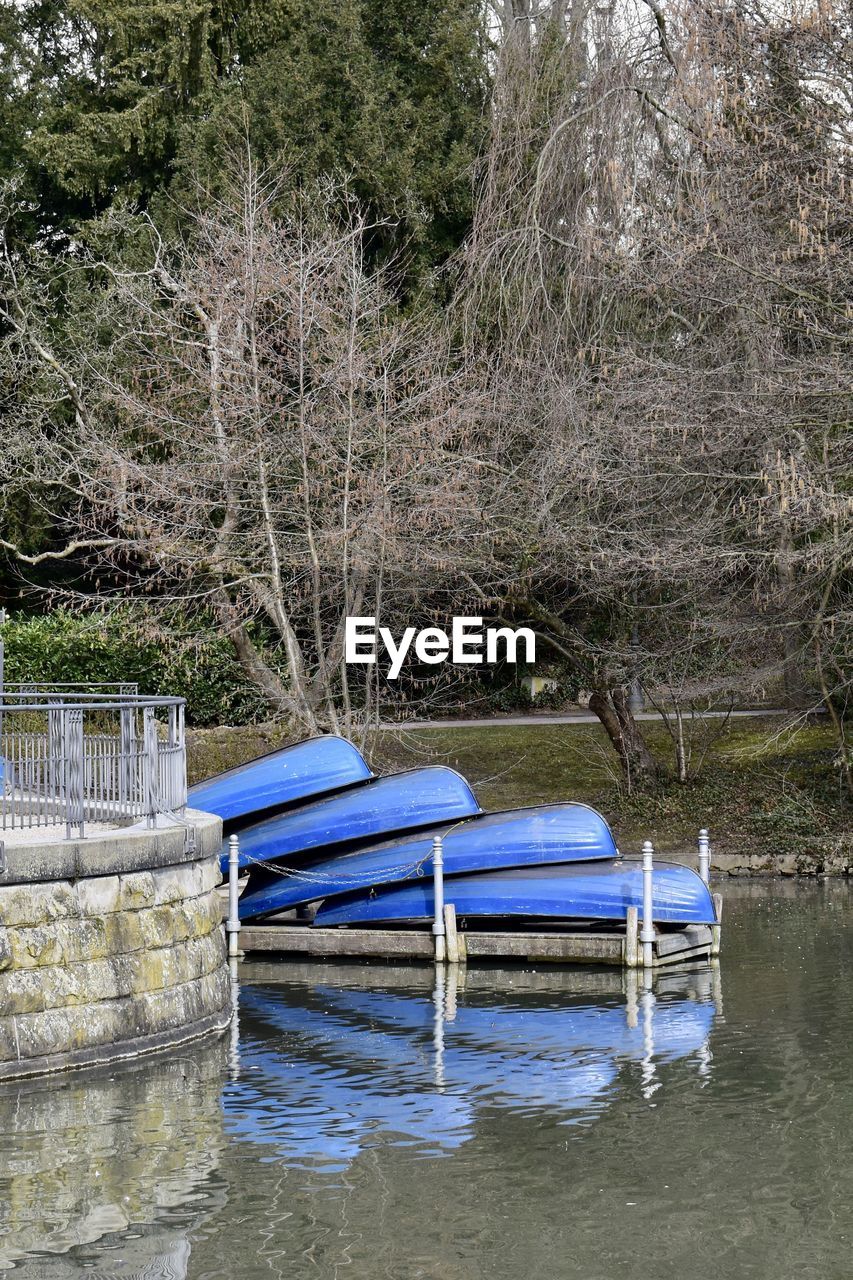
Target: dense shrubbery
(61, 646)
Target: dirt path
(569, 717)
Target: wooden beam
(632, 954)
(581, 947)
(694, 935)
(306, 940)
(450, 933)
(715, 929)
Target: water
(521, 1123)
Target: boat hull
(583, 891)
(519, 837)
(376, 809)
(280, 779)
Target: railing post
(127, 769)
(151, 765)
(647, 933)
(438, 898)
(232, 926)
(181, 764)
(72, 768)
(52, 773)
(704, 855)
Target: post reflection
(336, 1060)
(97, 1167)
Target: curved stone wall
(110, 946)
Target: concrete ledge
(119, 851)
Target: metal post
(128, 766)
(151, 766)
(232, 926)
(647, 932)
(704, 855)
(73, 771)
(438, 895)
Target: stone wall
(97, 966)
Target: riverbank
(769, 793)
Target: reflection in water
(331, 1065)
(387, 1123)
(93, 1164)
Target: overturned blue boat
(541, 834)
(595, 891)
(378, 807)
(316, 826)
(280, 779)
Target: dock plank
(694, 935)
(582, 947)
(385, 943)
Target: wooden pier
(287, 936)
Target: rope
(357, 878)
(353, 877)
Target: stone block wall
(97, 967)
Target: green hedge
(62, 646)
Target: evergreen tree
(112, 98)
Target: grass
(764, 791)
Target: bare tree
(243, 423)
(658, 272)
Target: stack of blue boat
(317, 828)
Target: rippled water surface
(366, 1123)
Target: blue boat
(555, 833)
(582, 891)
(286, 777)
(378, 807)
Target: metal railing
(75, 754)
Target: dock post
(647, 933)
(232, 924)
(704, 855)
(631, 926)
(715, 928)
(438, 896)
(451, 937)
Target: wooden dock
(555, 946)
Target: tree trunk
(262, 676)
(638, 764)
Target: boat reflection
(336, 1060)
(109, 1170)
